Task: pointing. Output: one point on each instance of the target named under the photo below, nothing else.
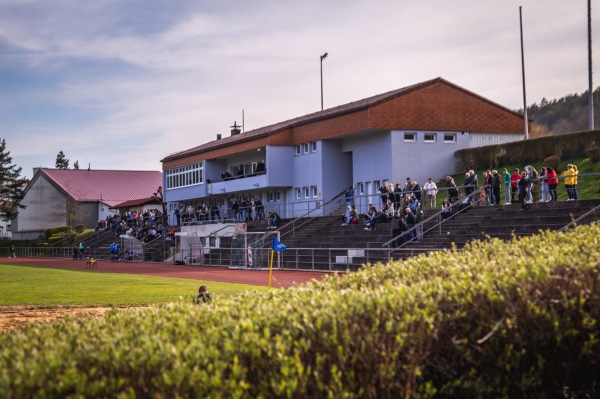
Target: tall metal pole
(322, 58)
(591, 85)
(523, 72)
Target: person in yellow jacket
(569, 175)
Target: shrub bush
(79, 228)
(498, 320)
(55, 230)
(523, 152)
(554, 161)
(593, 153)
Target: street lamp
(322, 58)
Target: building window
(430, 137)
(306, 193)
(449, 137)
(361, 188)
(410, 137)
(298, 193)
(313, 146)
(270, 197)
(298, 150)
(184, 176)
(313, 189)
(305, 145)
(278, 196)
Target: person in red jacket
(552, 182)
(514, 188)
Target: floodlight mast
(322, 58)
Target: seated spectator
(225, 175)
(370, 219)
(350, 216)
(446, 209)
(465, 204)
(272, 220)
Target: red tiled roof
(109, 186)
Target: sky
(121, 84)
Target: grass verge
(40, 287)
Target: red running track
(281, 278)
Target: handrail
(435, 215)
(572, 222)
(292, 222)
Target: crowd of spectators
(143, 225)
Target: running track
(281, 278)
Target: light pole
(322, 58)
(523, 73)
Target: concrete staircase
(323, 244)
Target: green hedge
(571, 145)
(499, 320)
(49, 232)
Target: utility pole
(523, 72)
(591, 85)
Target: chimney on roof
(219, 136)
(235, 129)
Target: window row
(305, 148)
(370, 187)
(184, 176)
(411, 137)
(306, 192)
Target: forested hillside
(565, 115)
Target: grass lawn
(41, 287)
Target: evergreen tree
(76, 164)
(12, 185)
(61, 161)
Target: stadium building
(299, 164)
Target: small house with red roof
(61, 197)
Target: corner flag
(278, 245)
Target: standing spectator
(235, 209)
(260, 209)
(484, 193)
(452, 189)
(397, 196)
(396, 223)
(75, 252)
(467, 185)
(349, 195)
(416, 191)
(82, 249)
(569, 182)
(506, 180)
(552, 183)
(495, 188)
(544, 185)
(523, 185)
(384, 194)
(532, 175)
(13, 252)
(430, 193)
(514, 178)
(490, 183)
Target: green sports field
(43, 287)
